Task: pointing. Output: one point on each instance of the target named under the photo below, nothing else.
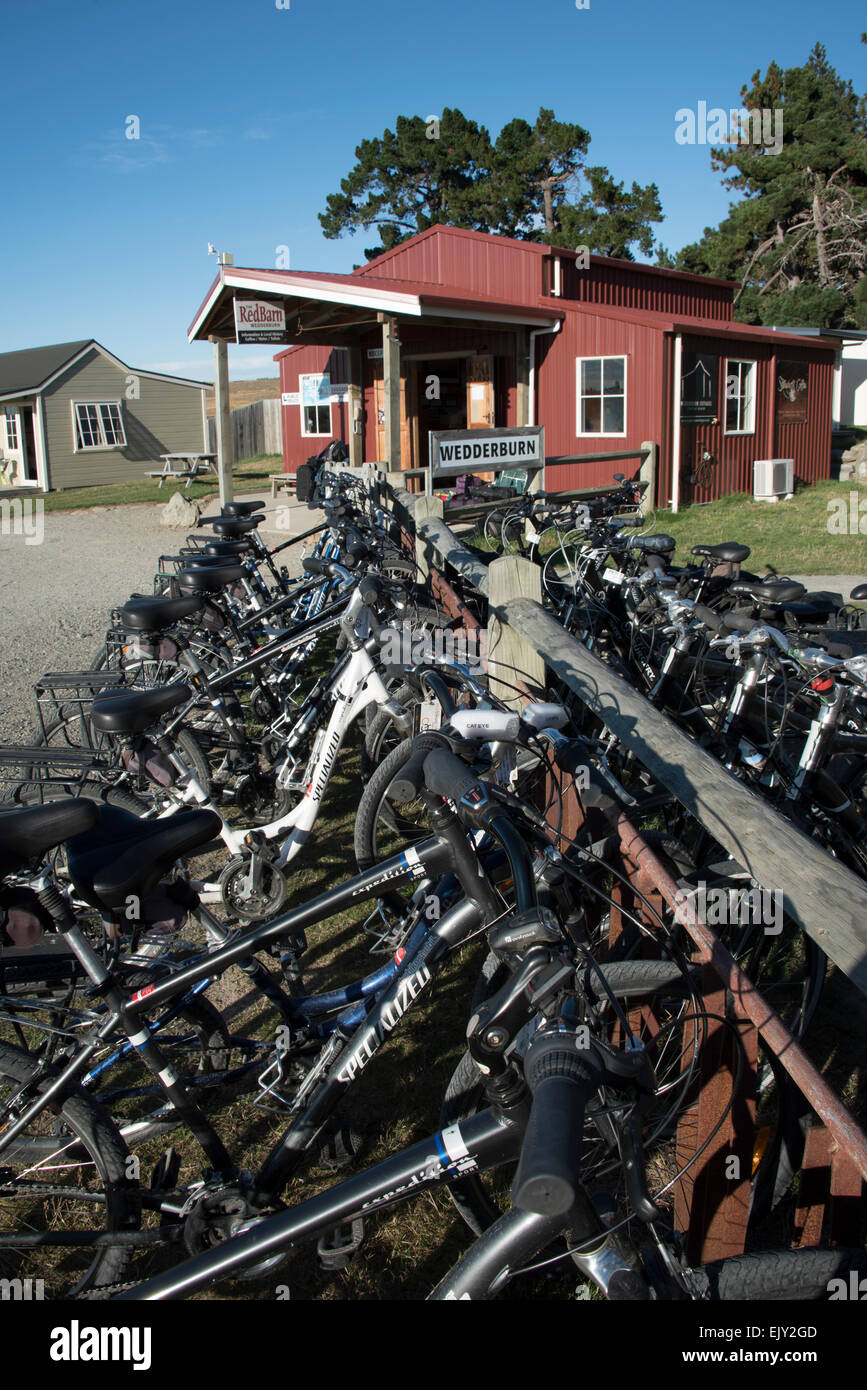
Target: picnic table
(187, 466)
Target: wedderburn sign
(451, 452)
(504, 448)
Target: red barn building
(456, 329)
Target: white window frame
(79, 447)
(314, 434)
(601, 433)
(746, 397)
(13, 436)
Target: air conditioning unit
(773, 479)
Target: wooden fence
(256, 429)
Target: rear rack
(64, 698)
(31, 774)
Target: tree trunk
(548, 196)
(821, 245)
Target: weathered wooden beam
(225, 453)
(648, 471)
(425, 509)
(511, 658)
(356, 436)
(391, 389)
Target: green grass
(250, 474)
(792, 536)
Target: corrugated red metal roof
(536, 248)
(418, 293)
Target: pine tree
(797, 240)
(527, 184)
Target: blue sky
(250, 115)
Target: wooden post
(224, 420)
(511, 659)
(424, 507)
(647, 472)
(356, 404)
(522, 377)
(391, 388)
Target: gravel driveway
(55, 597)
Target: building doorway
(17, 446)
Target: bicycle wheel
(69, 1176)
(384, 823)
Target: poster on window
(315, 390)
(791, 393)
(699, 388)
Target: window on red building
(601, 393)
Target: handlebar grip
(738, 622)
(312, 564)
(562, 1077)
(370, 589)
(354, 553)
(708, 617)
(446, 775)
(410, 780)
(572, 755)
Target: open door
(480, 398)
(480, 392)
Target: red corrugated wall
(625, 288)
(593, 335)
(809, 444)
(512, 271)
(297, 448)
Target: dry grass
(261, 388)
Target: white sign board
(257, 321)
(340, 391)
(489, 450)
(506, 448)
(291, 398)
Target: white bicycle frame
(359, 685)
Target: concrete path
(837, 583)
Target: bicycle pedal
(340, 1148)
(340, 1246)
(166, 1172)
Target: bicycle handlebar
(562, 1076)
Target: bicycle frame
(442, 853)
(487, 1140)
(357, 686)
